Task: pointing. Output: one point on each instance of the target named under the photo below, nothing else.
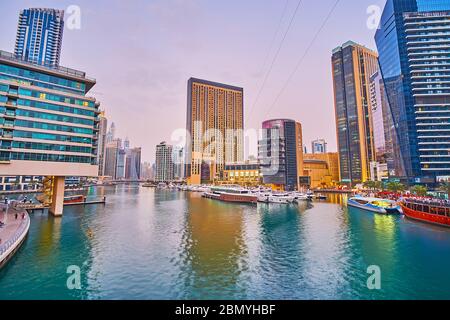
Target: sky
(142, 53)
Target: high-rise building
(133, 164)
(111, 158)
(215, 122)
(353, 65)
(413, 43)
(111, 135)
(126, 144)
(102, 128)
(48, 126)
(164, 163)
(178, 162)
(39, 36)
(121, 157)
(281, 154)
(319, 146)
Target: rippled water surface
(151, 244)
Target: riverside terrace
(13, 229)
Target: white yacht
(281, 198)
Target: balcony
(9, 115)
(11, 104)
(13, 94)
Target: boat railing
(4, 247)
(431, 207)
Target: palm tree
(395, 187)
(419, 191)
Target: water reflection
(158, 244)
(215, 247)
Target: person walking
(16, 215)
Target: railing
(23, 228)
(72, 72)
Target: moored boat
(74, 199)
(231, 194)
(377, 205)
(427, 211)
(280, 198)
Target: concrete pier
(57, 205)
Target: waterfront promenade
(13, 229)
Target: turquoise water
(148, 244)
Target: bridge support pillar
(56, 208)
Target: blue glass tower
(414, 55)
(39, 36)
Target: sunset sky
(142, 52)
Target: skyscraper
(39, 36)
(120, 171)
(281, 154)
(111, 135)
(413, 43)
(353, 65)
(178, 162)
(133, 164)
(215, 122)
(111, 158)
(164, 163)
(103, 126)
(319, 146)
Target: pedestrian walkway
(14, 227)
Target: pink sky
(143, 52)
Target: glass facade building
(39, 36)
(281, 154)
(414, 56)
(45, 116)
(353, 65)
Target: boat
(298, 196)
(281, 198)
(231, 194)
(263, 197)
(74, 199)
(321, 197)
(377, 205)
(148, 185)
(432, 212)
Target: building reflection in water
(215, 247)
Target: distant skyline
(142, 54)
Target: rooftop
(53, 70)
(215, 84)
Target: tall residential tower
(39, 36)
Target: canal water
(156, 244)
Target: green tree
(378, 185)
(395, 187)
(419, 191)
(370, 185)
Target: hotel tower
(215, 122)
